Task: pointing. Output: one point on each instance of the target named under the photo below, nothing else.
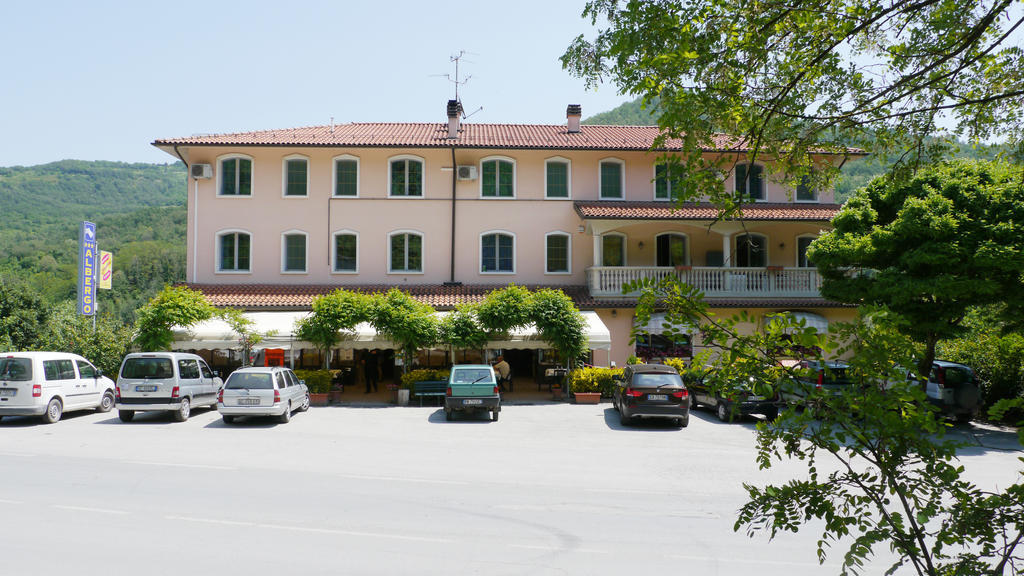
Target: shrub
(423, 375)
(594, 380)
(318, 381)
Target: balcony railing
(768, 282)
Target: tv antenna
(457, 81)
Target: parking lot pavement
(382, 490)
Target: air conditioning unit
(466, 173)
(202, 171)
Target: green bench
(435, 388)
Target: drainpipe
(455, 175)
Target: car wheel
(286, 416)
(107, 402)
(623, 419)
(963, 418)
(227, 419)
(683, 422)
(723, 413)
(126, 415)
(305, 403)
(448, 415)
(693, 401)
(183, 411)
(54, 410)
(494, 415)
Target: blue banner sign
(88, 254)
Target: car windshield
(656, 380)
(15, 369)
(471, 375)
(957, 376)
(147, 368)
(249, 381)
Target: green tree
(22, 317)
(242, 326)
(790, 77)
(173, 306)
(929, 248)
(559, 323)
(104, 344)
(461, 330)
(333, 314)
(504, 310)
(405, 321)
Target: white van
(168, 381)
(48, 384)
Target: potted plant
(589, 384)
(319, 384)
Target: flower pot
(588, 397)
(334, 396)
(556, 392)
(317, 399)
(683, 268)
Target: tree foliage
(929, 248)
(502, 311)
(559, 323)
(22, 317)
(333, 315)
(405, 321)
(104, 344)
(173, 306)
(461, 330)
(788, 78)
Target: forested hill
(139, 210)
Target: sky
(101, 80)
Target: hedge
(594, 380)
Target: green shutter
(296, 178)
(415, 178)
(558, 180)
(398, 252)
(415, 253)
(489, 178)
(611, 180)
(228, 175)
(506, 179)
(295, 253)
(227, 252)
(346, 177)
(398, 178)
(244, 177)
(558, 253)
(243, 252)
(345, 252)
(661, 187)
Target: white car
(48, 384)
(257, 391)
(173, 382)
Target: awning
(216, 334)
(656, 325)
(811, 320)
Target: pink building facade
(450, 211)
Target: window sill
(233, 272)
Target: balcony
(771, 282)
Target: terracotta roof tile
(434, 135)
(300, 296)
(612, 210)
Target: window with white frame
(613, 250)
(557, 178)
(805, 191)
(802, 243)
(296, 176)
(293, 252)
(406, 253)
(497, 253)
(750, 181)
(612, 176)
(235, 176)
(346, 176)
(557, 253)
(346, 252)
(671, 250)
(751, 251)
(233, 249)
(405, 177)
(498, 178)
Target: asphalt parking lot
(549, 489)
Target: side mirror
(99, 373)
(302, 382)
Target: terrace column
(727, 250)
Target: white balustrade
(713, 281)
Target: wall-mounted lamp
(583, 229)
(641, 244)
(782, 245)
(614, 312)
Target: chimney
(454, 113)
(573, 114)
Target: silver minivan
(255, 391)
(174, 382)
(48, 384)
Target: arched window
(233, 250)
(750, 180)
(346, 176)
(805, 191)
(293, 252)
(346, 252)
(671, 250)
(295, 176)
(405, 176)
(406, 252)
(612, 179)
(802, 243)
(613, 249)
(751, 251)
(497, 177)
(497, 253)
(557, 178)
(234, 175)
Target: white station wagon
(259, 391)
(48, 384)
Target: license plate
(472, 402)
(248, 401)
(657, 397)
(8, 392)
(145, 388)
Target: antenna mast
(457, 59)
